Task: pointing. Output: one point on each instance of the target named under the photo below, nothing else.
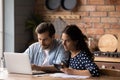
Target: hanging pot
(68, 4)
(52, 4)
(59, 24)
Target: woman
(81, 59)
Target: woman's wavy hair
(76, 35)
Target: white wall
(16, 13)
(9, 25)
(1, 27)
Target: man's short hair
(45, 27)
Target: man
(48, 50)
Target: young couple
(72, 49)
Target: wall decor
(68, 4)
(52, 4)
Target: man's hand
(35, 67)
(50, 68)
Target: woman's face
(68, 44)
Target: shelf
(62, 16)
(107, 59)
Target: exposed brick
(91, 19)
(95, 2)
(85, 25)
(98, 17)
(115, 26)
(114, 14)
(101, 25)
(69, 21)
(106, 8)
(88, 25)
(118, 2)
(117, 8)
(95, 31)
(106, 25)
(110, 20)
(82, 13)
(112, 2)
(98, 36)
(100, 14)
(83, 2)
(112, 31)
(83, 30)
(87, 8)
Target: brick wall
(97, 17)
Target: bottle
(3, 70)
(1, 64)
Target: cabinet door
(109, 65)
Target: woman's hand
(75, 72)
(67, 70)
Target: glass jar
(3, 70)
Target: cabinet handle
(103, 67)
(112, 67)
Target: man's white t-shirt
(46, 60)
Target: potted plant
(32, 22)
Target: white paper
(63, 75)
(40, 75)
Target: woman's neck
(74, 53)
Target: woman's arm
(76, 72)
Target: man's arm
(50, 68)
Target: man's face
(45, 40)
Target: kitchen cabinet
(107, 62)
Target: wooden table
(31, 77)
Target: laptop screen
(17, 63)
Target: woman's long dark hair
(76, 35)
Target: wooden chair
(110, 72)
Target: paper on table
(63, 75)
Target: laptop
(19, 63)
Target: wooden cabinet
(109, 63)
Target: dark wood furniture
(108, 62)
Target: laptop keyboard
(34, 72)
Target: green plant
(32, 22)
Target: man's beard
(46, 46)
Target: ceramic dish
(52, 4)
(68, 4)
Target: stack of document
(63, 75)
